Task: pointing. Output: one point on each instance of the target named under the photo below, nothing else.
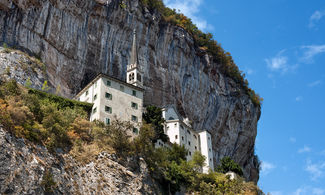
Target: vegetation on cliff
(57, 122)
(207, 44)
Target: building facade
(180, 131)
(117, 99)
(113, 99)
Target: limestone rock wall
(79, 38)
(23, 166)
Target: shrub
(48, 182)
(153, 115)
(227, 164)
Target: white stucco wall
(120, 103)
(206, 150)
(186, 136)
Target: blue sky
(280, 45)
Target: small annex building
(180, 131)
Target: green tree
(227, 164)
(28, 83)
(58, 90)
(153, 115)
(45, 87)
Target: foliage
(227, 164)
(118, 138)
(153, 115)
(6, 48)
(37, 116)
(48, 182)
(62, 102)
(61, 123)
(28, 83)
(45, 87)
(206, 43)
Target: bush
(227, 164)
(48, 182)
(153, 115)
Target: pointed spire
(134, 54)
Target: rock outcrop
(26, 168)
(77, 39)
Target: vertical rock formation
(79, 38)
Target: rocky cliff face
(79, 38)
(29, 169)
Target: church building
(117, 99)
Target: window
(108, 83)
(95, 96)
(87, 92)
(176, 136)
(195, 136)
(134, 105)
(188, 132)
(139, 77)
(190, 153)
(108, 96)
(121, 87)
(108, 109)
(182, 138)
(107, 121)
(182, 127)
(134, 92)
(135, 130)
(210, 159)
(208, 138)
(131, 76)
(189, 143)
(195, 148)
(175, 124)
(134, 118)
(94, 110)
(209, 149)
(171, 118)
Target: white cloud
(318, 191)
(304, 149)
(276, 193)
(315, 17)
(299, 98)
(315, 83)
(310, 51)
(250, 71)
(292, 139)
(189, 8)
(266, 167)
(278, 63)
(315, 169)
(308, 190)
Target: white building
(117, 99)
(180, 132)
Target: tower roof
(134, 53)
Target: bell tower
(134, 72)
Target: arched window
(131, 76)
